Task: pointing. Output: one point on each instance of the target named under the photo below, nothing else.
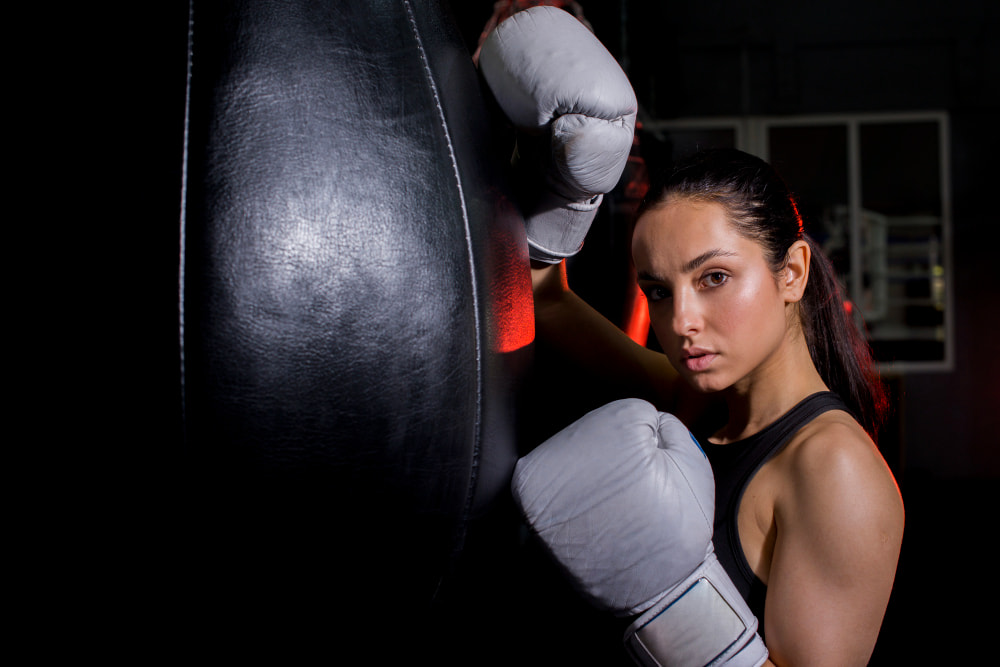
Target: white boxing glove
(575, 112)
(623, 499)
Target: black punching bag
(355, 308)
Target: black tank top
(733, 466)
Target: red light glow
(636, 324)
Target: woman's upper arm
(839, 530)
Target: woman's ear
(796, 273)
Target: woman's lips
(696, 359)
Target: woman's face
(716, 307)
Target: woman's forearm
(585, 338)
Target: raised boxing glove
(623, 499)
(575, 112)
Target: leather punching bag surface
(355, 303)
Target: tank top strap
(777, 434)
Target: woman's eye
(716, 278)
(655, 293)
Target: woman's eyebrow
(690, 265)
(645, 275)
(704, 257)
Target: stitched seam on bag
(474, 473)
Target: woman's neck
(762, 397)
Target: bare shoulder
(839, 507)
(832, 459)
(839, 519)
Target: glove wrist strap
(702, 621)
(556, 227)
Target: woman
(809, 520)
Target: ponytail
(839, 351)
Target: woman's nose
(686, 316)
